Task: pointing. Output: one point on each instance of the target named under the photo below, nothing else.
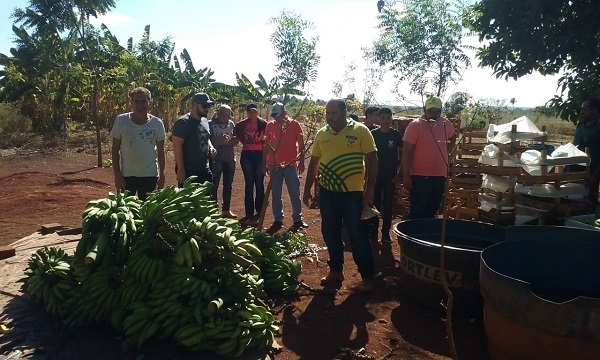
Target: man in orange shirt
(284, 140)
(425, 159)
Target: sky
(230, 36)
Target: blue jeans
(292, 182)
(336, 206)
(202, 175)
(227, 168)
(254, 176)
(383, 201)
(426, 196)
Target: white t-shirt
(138, 144)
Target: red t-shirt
(287, 148)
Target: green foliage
(15, 128)
(457, 102)
(298, 60)
(421, 43)
(549, 37)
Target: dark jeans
(383, 200)
(426, 196)
(334, 207)
(202, 176)
(254, 176)
(227, 168)
(140, 186)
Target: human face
(588, 113)
(140, 104)
(202, 110)
(385, 121)
(433, 113)
(371, 119)
(224, 116)
(336, 117)
(253, 114)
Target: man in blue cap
(191, 142)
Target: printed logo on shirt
(391, 143)
(350, 140)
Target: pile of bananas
(172, 268)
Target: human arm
(372, 163)
(211, 149)
(265, 154)
(301, 151)
(116, 163)
(178, 150)
(408, 150)
(311, 175)
(160, 153)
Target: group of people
(357, 164)
(206, 149)
(345, 156)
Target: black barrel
(542, 294)
(419, 241)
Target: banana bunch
(49, 277)
(108, 228)
(95, 299)
(279, 272)
(176, 205)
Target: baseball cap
(202, 99)
(433, 102)
(251, 107)
(277, 110)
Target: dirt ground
(49, 186)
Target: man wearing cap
(426, 144)
(223, 138)
(338, 155)
(284, 141)
(138, 147)
(250, 132)
(191, 142)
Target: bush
(15, 128)
(11, 119)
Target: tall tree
(421, 42)
(298, 60)
(545, 36)
(73, 16)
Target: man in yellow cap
(425, 149)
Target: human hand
(307, 197)
(301, 167)
(407, 184)
(368, 196)
(213, 152)
(119, 182)
(161, 182)
(180, 175)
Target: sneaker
(300, 224)
(274, 227)
(228, 214)
(332, 278)
(366, 286)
